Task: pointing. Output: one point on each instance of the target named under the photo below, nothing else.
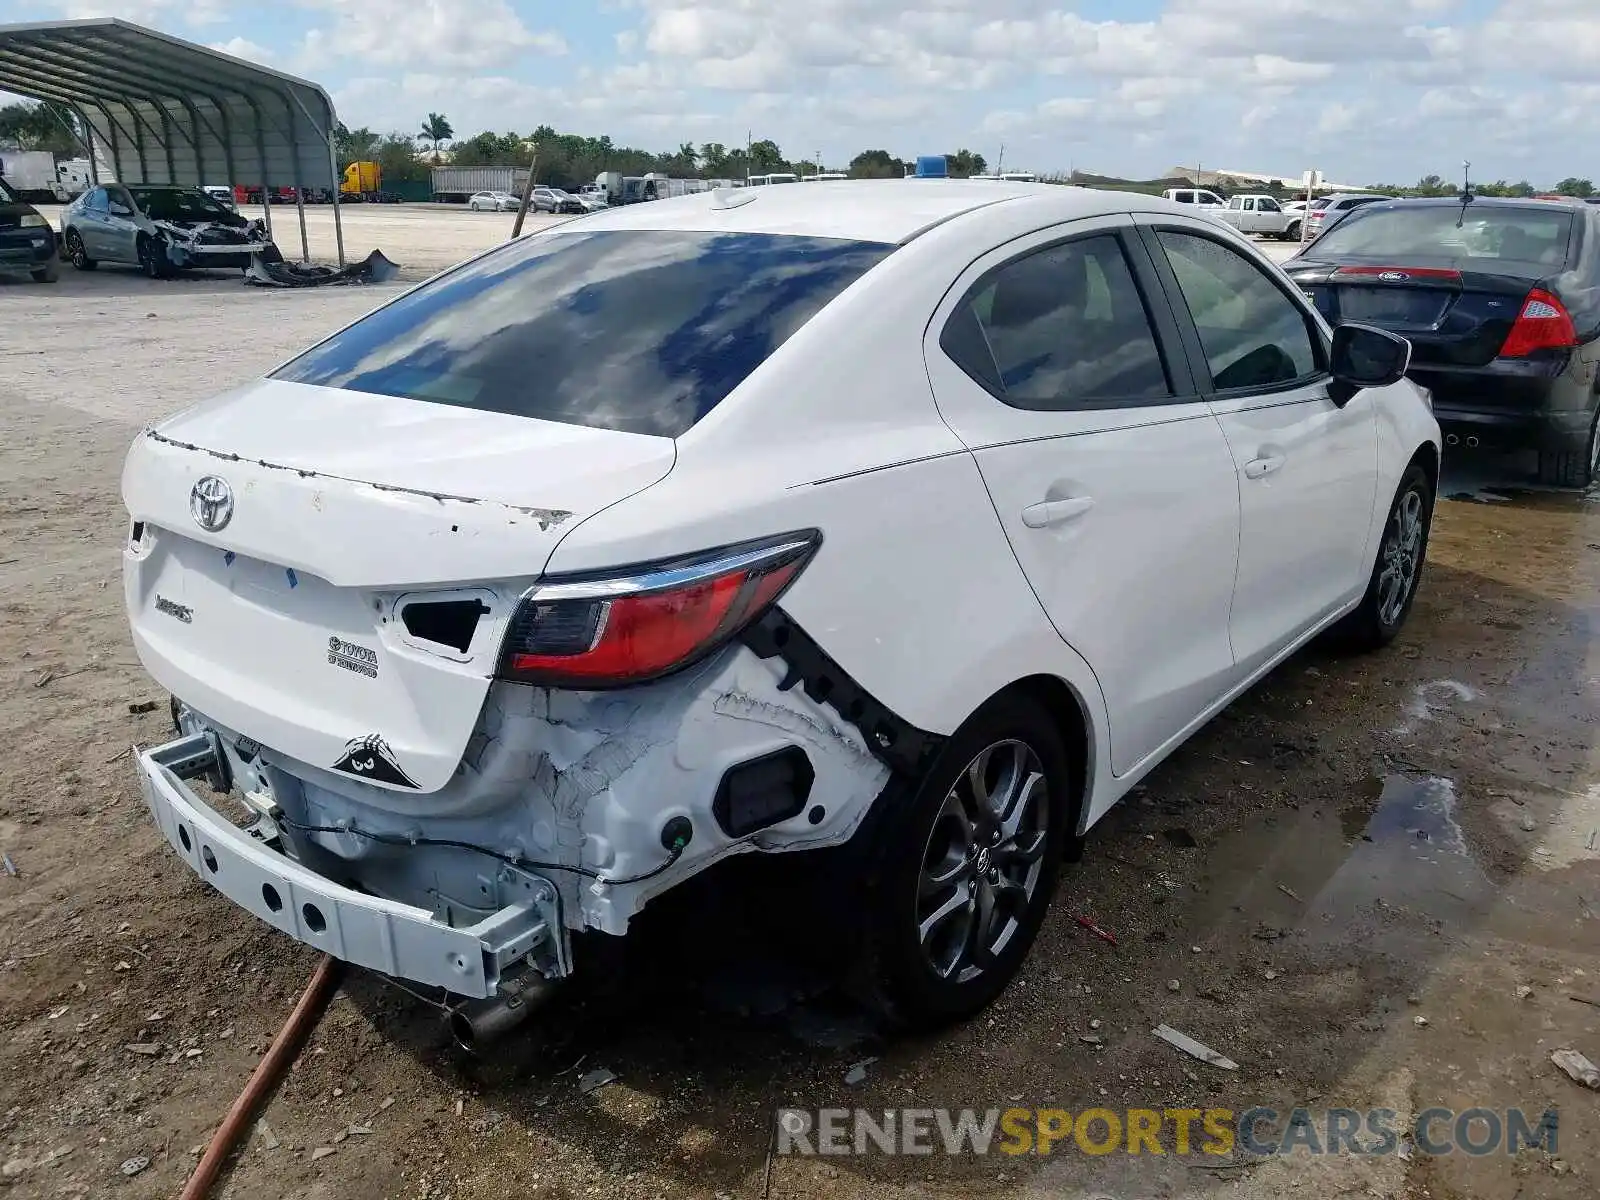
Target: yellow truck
(362, 181)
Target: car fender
(1405, 424)
(914, 593)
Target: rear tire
(1572, 468)
(1392, 587)
(966, 870)
(1292, 234)
(76, 254)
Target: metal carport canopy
(163, 110)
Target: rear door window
(1060, 328)
(643, 331)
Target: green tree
(876, 164)
(354, 145)
(1433, 185)
(1580, 188)
(490, 149)
(396, 156)
(45, 125)
(766, 158)
(436, 129)
(964, 163)
(714, 160)
(1522, 188)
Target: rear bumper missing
(369, 931)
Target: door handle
(1265, 465)
(1056, 512)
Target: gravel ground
(1372, 882)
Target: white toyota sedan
(915, 518)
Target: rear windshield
(643, 331)
(1527, 235)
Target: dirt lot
(1372, 882)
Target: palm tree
(436, 129)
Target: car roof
(868, 210)
(1524, 202)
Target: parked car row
(1498, 298)
(27, 242)
(544, 199)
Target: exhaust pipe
(480, 1022)
(1451, 439)
(1472, 443)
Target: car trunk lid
(349, 610)
(1452, 317)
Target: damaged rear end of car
(445, 758)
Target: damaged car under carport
(161, 229)
(745, 524)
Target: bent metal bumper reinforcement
(900, 745)
(369, 931)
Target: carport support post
(333, 174)
(300, 204)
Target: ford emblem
(1393, 276)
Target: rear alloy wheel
(1395, 576)
(76, 254)
(1573, 468)
(1292, 234)
(967, 876)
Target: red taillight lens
(1543, 324)
(629, 627)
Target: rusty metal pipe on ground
(269, 1071)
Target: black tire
(1380, 618)
(1575, 468)
(924, 982)
(153, 259)
(48, 273)
(76, 254)
(1292, 234)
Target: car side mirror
(121, 210)
(1366, 357)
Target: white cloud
(420, 34)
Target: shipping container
(456, 185)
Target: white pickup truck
(1260, 214)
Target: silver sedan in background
(493, 202)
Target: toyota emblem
(211, 503)
(1394, 276)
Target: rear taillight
(625, 627)
(1543, 324)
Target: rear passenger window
(1253, 335)
(1060, 328)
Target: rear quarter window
(642, 331)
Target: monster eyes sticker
(371, 759)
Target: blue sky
(1363, 90)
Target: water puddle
(1397, 853)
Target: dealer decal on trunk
(370, 758)
(352, 657)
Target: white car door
(1109, 473)
(1307, 467)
